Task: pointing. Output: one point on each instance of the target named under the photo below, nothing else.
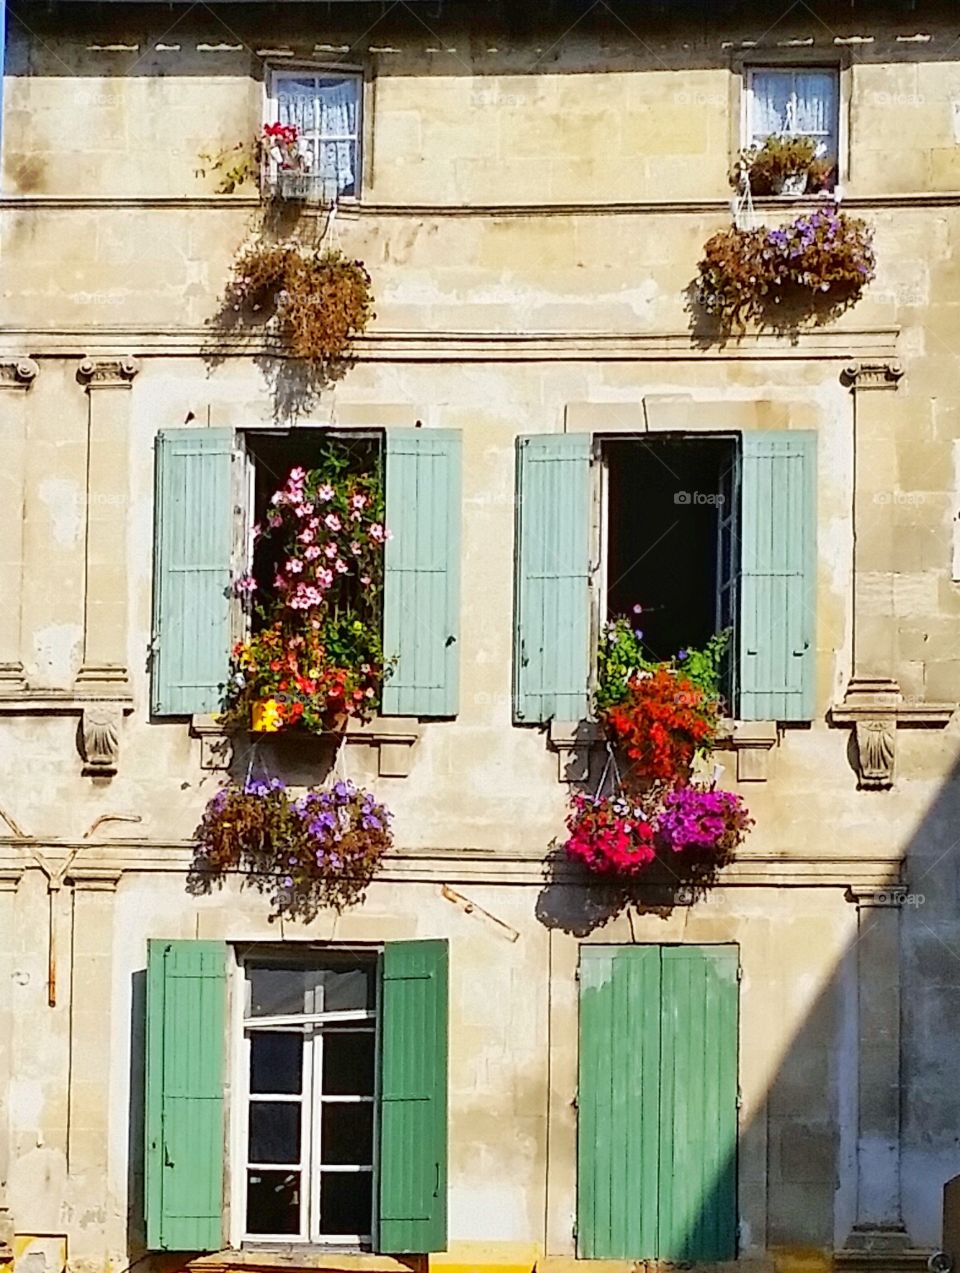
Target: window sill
(302, 1256)
(751, 741)
(393, 736)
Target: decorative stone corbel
(885, 374)
(572, 741)
(107, 373)
(100, 737)
(753, 742)
(216, 747)
(18, 372)
(875, 708)
(393, 736)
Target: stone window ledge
(751, 741)
(393, 736)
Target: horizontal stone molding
(43, 702)
(367, 210)
(475, 346)
(464, 866)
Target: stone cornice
(845, 345)
(107, 373)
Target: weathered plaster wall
(112, 245)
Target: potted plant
(277, 149)
(315, 657)
(784, 164)
(320, 849)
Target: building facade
(762, 1073)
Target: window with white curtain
(325, 107)
(795, 101)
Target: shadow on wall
(801, 1153)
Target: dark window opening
(671, 546)
(274, 455)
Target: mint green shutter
(777, 666)
(193, 539)
(618, 1102)
(657, 1102)
(421, 600)
(183, 1133)
(698, 1103)
(551, 662)
(413, 1098)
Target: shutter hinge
(739, 1097)
(576, 1098)
(739, 972)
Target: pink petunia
(341, 567)
(312, 553)
(358, 501)
(305, 536)
(332, 522)
(294, 566)
(377, 533)
(325, 493)
(330, 550)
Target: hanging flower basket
(320, 850)
(810, 270)
(609, 835)
(702, 822)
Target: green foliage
(621, 656)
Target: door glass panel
(276, 1062)
(346, 1134)
(346, 1202)
(274, 1131)
(273, 1202)
(348, 1062)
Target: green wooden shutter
(183, 1134)
(192, 551)
(698, 1102)
(421, 601)
(778, 576)
(552, 587)
(619, 1102)
(413, 1098)
(657, 1101)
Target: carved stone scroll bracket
(875, 708)
(573, 741)
(216, 747)
(18, 373)
(100, 738)
(107, 373)
(872, 375)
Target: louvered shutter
(184, 1130)
(552, 584)
(193, 539)
(777, 663)
(413, 1098)
(421, 603)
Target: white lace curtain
(325, 111)
(802, 102)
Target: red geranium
(661, 723)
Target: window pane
(274, 1131)
(284, 990)
(348, 1057)
(276, 1062)
(273, 1202)
(295, 102)
(345, 1202)
(346, 1133)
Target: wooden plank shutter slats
(413, 1098)
(552, 586)
(193, 539)
(777, 664)
(422, 572)
(184, 1122)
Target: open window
(670, 520)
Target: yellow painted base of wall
(487, 1257)
(801, 1260)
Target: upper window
(325, 108)
(794, 101)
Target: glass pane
(348, 1062)
(345, 1202)
(346, 1133)
(273, 1202)
(341, 985)
(274, 1131)
(296, 102)
(276, 1063)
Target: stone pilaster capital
(867, 374)
(107, 373)
(18, 373)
